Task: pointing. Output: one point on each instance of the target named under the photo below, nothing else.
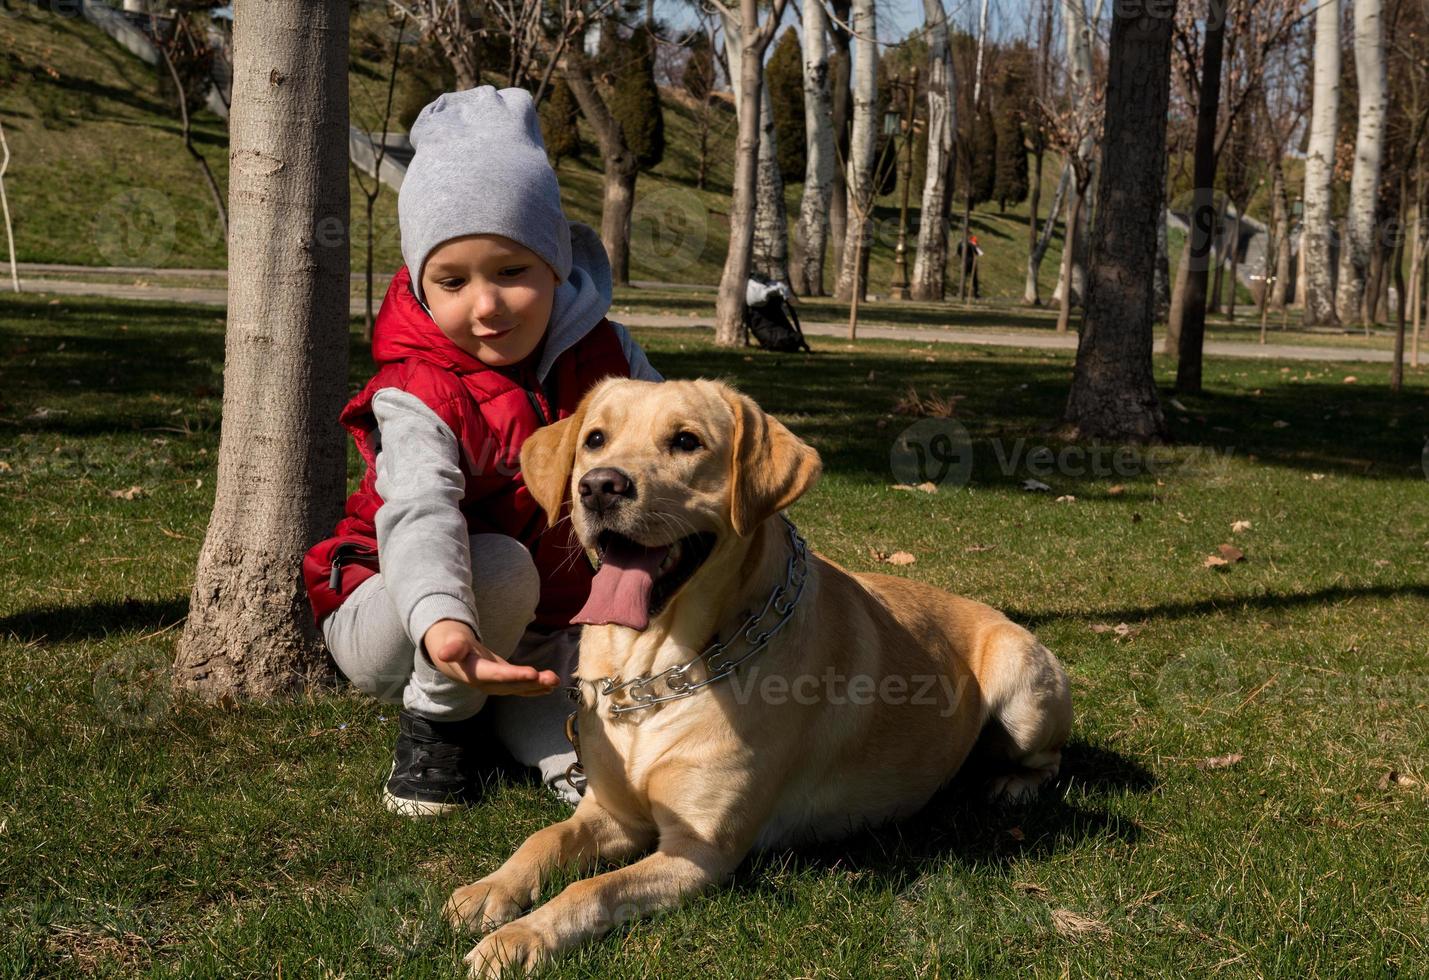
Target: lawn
(1245, 791)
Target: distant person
(443, 590)
(969, 251)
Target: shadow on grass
(65, 624)
(1269, 602)
(959, 824)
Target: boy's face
(491, 296)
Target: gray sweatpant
(366, 637)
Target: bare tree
(370, 193)
(1070, 131)
(1113, 392)
(454, 29)
(1319, 288)
(1046, 20)
(754, 39)
(5, 206)
(813, 229)
(1080, 30)
(181, 44)
(931, 263)
(853, 278)
(972, 121)
(282, 457)
(1369, 152)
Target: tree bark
(771, 216)
(931, 263)
(1355, 250)
(1113, 394)
(620, 168)
(282, 455)
(862, 146)
(1203, 213)
(1030, 292)
(1161, 283)
(812, 237)
(754, 38)
(1280, 228)
(1318, 283)
(1078, 28)
(1069, 249)
(841, 94)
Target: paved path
(1036, 340)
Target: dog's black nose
(604, 487)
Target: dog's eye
(594, 439)
(686, 442)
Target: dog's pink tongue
(620, 592)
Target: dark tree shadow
(65, 624)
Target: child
(443, 589)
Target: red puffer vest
(491, 412)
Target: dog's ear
(770, 467)
(547, 456)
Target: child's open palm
(455, 651)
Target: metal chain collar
(716, 657)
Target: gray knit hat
(479, 168)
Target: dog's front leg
(589, 835)
(681, 868)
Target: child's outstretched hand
(454, 650)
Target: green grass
(142, 836)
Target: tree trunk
(931, 263)
(1069, 249)
(1318, 281)
(282, 462)
(1203, 214)
(1078, 29)
(1280, 228)
(1113, 394)
(1235, 262)
(862, 146)
(1369, 150)
(771, 216)
(1171, 343)
(1030, 291)
(841, 95)
(1218, 254)
(754, 38)
(1161, 281)
(812, 236)
(620, 168)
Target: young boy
(443, 589)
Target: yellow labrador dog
(737, 690)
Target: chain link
(720, 664)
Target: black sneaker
(433, 766)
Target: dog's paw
(514, 950)
(1020, 785)
(482, 905)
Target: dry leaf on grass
(1397, 778)
(1281, 424)
(130, 494)
(901, 558)
(1230, 552)
(927, 486)
(1351, 379)
(1115, 491)
(1070, 925)
(1031, 888)
(1238, 526)
(1066, 498)
(1123, 631)
(1035, 485)
(1220, 761)
(1317, 476)
(973, 548)
(1214, 561)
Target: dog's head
(660, 475)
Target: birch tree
(930, 263)
(754, 38)
(1320, 165)
(1369, 151)
(1113, 393)
(282, 462)
(1078, 30)
(813, 229)
(1031, 294)
(862, 147)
